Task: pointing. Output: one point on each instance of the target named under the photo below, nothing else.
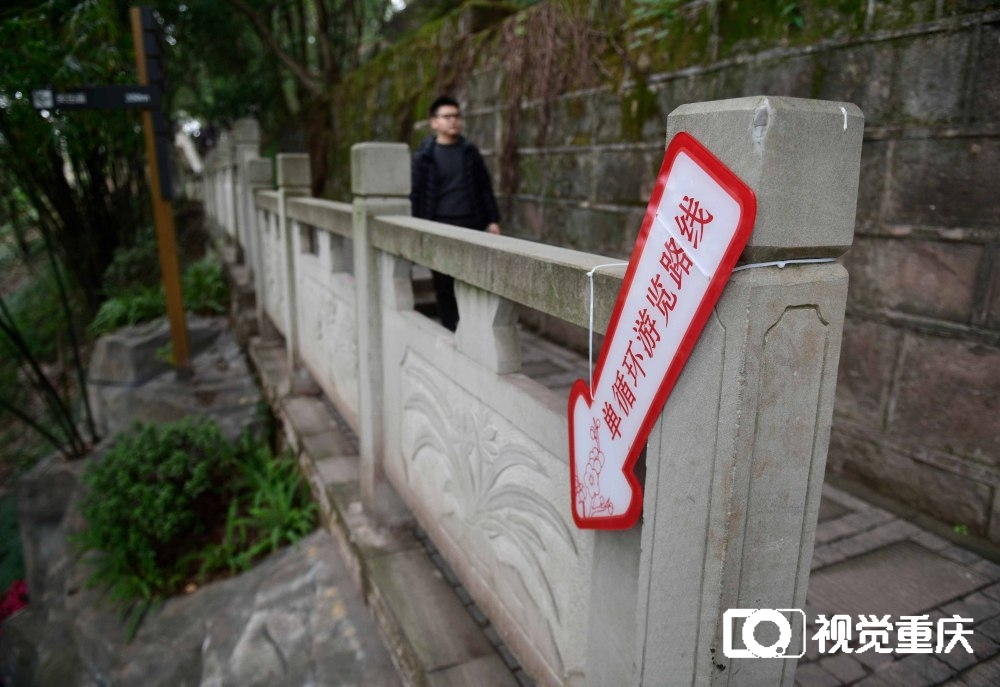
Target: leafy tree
(81, 173)
(275, 58)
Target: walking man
(450, 184)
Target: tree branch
(309, 81)
(323, 24)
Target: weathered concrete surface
(128, 381)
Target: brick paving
(868, 560)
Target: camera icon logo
(752, 617)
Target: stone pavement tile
(988, 568)
(417, 604)
(541, 368)
(849, 501)
(327, 445)
(983, 648)
(902, 578)
(977, 606)
(844, 667)
(338, 470)
(307, 415)
(487, 671)
(873, 681)
(960, 555)
(813, 675)
(990, 628)
(830, 509)
(985, 674)
(917, 670)
(871, 518)
(560, 380)
(993, 591)
(824, 556)
(832, 530)
(868, 540)
(931, 541)
(873, 660)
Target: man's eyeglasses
(451, 116)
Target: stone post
(246, 146)
(735, 464)
(260, 176)
(380, 181)
(224, 150)
(293, 180)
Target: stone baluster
(380, 181)
(293, 180)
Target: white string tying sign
(780, 264)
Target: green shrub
(204, 286)
(173, 504)
(138, 306)
(133, 267)
(151, 501)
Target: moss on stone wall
(389, 96)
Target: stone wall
(918, 404)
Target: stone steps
(436, 636)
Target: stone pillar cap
(293, 170)
(380, 169)
(246, 130)
(801, 158)
(260, 172)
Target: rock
(126, 383)
(128, 357)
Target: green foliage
(651, 20)
(276, 494)
(792, 15)
(133, 266)
(37, 325)
(173, 504)
(11, 558)
(205, 288)
(141, 305)
(37, 313)
(203, 285)
(152, 495)
(80, 172)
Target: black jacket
(424, 183)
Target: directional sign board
(698, 220)
(97, 98)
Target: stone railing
(478, 452)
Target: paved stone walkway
(869, 561)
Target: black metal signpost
(146, 96)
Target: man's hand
(493, 228)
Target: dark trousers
(444, 284)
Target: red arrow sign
(697, 222)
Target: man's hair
(441, 102)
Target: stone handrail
(478, 453)
(546, 278)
